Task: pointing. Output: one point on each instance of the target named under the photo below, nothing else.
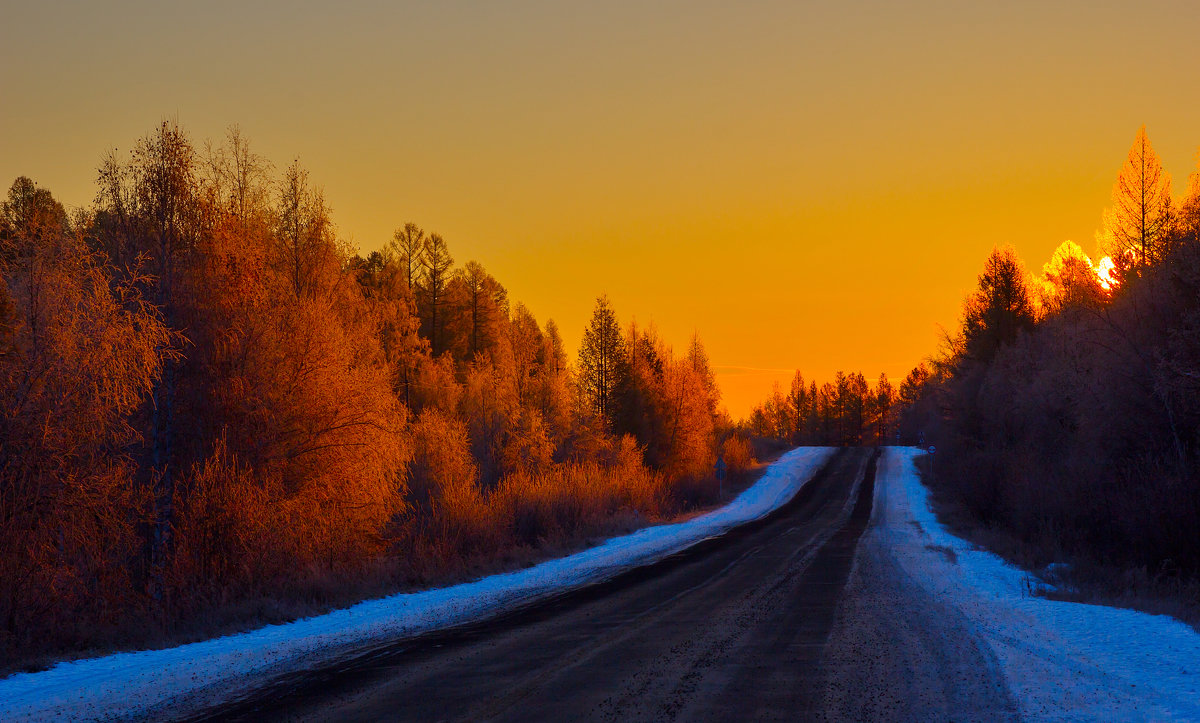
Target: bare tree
(304, 230)
(238, 178)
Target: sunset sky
(809, 185)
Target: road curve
(733, 629)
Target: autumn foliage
(211, 402)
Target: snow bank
(130, 684)
(1061, 660)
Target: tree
(798, 402)
(528, 350)
(238, 178)
(436, 266)
(554, 385)
(778, 414)
(882, 401)
(483, 304)
(1139, 221)
(913, 384)
(29, 214)
(150, 216)
(1069, 280)
(556, 353)
(999, 309)
(690, 416)
(304, 231)
(602, 362)
(80, 353)
(382, 279)
(1188, 219)
(855, 406)
(697, 357)
(409, 246)
(152, 197)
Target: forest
(214, 412)
(1066, 407)
(845, 411)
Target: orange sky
(807, 185)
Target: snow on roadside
(1061, 660)
(137, 683)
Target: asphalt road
(760, 624)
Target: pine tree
(484, 304)
(999, 309)
(436, 263)
(602, 361)
(884, 399)
(798, 403)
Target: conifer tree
(1139, 221)
(408, 244)
(602, 361)
(999, 309)
(436, 263)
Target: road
(765, 623)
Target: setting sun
(1104, 272)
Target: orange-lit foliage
(565, 500)
(1137, 226)
(79, 352)
(290, 371)
(262, 412)
(224, 532)
(737, 453)
(1188, 217)
(1069, 281)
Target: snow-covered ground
(139, 683)
(1060, 660)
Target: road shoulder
(915, 581)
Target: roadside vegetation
(1066, 407)
(214, 412)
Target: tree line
(209, 401)
(1067, 403)
(845, 411)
